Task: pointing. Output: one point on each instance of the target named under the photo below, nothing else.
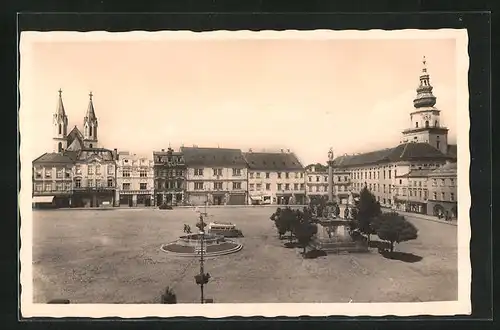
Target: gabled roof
(403, 152)
(445, 170)
(101, 153)
(218, 157)
(54, 158)
(267, 161)
(73, 135)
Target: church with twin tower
(74, 140)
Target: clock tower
(425, 122)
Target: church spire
(60, 126)
(424, 98)
(90, 125)
(60, 106)
(90, 115)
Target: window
(48, 173)
(126, 186)
(310, 188)
(420, 183)
(268, 186)
(38, 174)
(452, 197)
(370, 187)
(126, 173)
(48, 186)
(301, 175)
(90, 170)
(218, 171)
(425, 193)
(59, 187)
(317, 178)
(217, 185)
(267, 175)
(389, 174)
(252, 186)
(301, 186)
(310, 178)
(287, 175)
(236, 185)
(110, 183)
(420, 193)
(434, 195)
(60, 129)
(295, 186)
(198, 185)
(38, 187)
(198, 171)
(326, 178)
(143, 174)
(111, 169)
(345, 178)
(416, 124)
(395, 173)
(143, 186)
(98, 169)
(400, 181)
(90, 182)
(279, 186)
(384, 174)
(257, 175)
(452, 182)
(98, 183)
(279, 176)
(296, 175)
(383, 187)
(236, 171)
(259, 187)
(287, 186)
(442, 182)
(78, 183)
(443, 196)
(370, 175)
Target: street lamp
(330, 175)
(202, 278)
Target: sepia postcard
(271, 173)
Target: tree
(305, 231)
(368, 209)
(394, 228)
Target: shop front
(92, 197)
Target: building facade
(389, 172)
(316, 181)
(442, 184)
(52, 180)
(94, 178)
(215, 175)
(169, 177)
(275, 178)
(135, 180)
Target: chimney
(288, 150)
(281, 150)
(115, 153)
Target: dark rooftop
(194, 156)
(276, 161)
(416, 174)
(104, 154)
(54, 158)
(405, 151)
(447, 169)
(452, 150)
(317, 167)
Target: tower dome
(424, 98)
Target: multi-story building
(135, 180)
(275, 178)
(169, 176)
(216, 175)
(411, 191)
(316, 181)
(53, 180)
(442, 185)
(94, 177)
(423, 147)
(81, 173)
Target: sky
(354, 95)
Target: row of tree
(299, 224)
(368, 219)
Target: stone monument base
(339, 241)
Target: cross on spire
(90, 95)
(424, 62)
(60, 92)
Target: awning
(43, 199)
(256, 198)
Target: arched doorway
(438, 210)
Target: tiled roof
(194, 156)
(416, 174)
(405, 151)
(447, 169)
(75, 134)
(54, 158)
(269, 161)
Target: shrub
(168, 297)
(394, 228)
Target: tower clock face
(427, 117)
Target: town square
(162, 183)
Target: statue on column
(330, 155)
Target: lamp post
(202, 278)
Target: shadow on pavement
(313, 254)
(401, 256)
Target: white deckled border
(462, 306)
